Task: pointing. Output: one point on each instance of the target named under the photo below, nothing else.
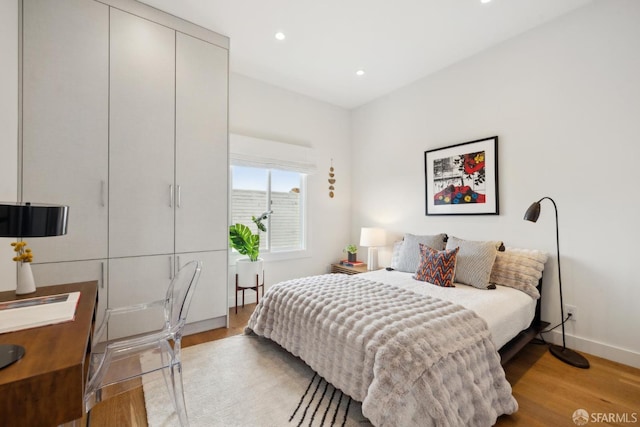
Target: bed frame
(511, 348)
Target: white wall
(8, 127)
(564, 100)
(264, 111)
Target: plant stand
(254, 288)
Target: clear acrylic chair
(116, 366)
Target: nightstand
(344, 269)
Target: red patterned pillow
(437, 267)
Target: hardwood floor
(127, 409)
(547, 390)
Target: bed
(413, 353)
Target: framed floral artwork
(462, 179)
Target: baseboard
(606, 351)
(205, 325)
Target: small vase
(351, 257)
(26, 284)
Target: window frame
(269, 254)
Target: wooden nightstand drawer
(344, 269)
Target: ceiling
(327, 41)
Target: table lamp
(563, 353)
(371, 238)
(26, 220)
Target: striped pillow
(475, 261)
(437, 267)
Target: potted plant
(352, 252)
(242, 239)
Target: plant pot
(26, 284)
(351, 257)
(247, 271)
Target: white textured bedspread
(507, 311)
(411, 360)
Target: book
(39, 311)
(348, 263)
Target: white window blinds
(264, 153)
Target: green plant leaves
(244, 241)
(352, 249)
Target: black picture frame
(462, 179)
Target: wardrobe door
(138, 280)
(141, 141)
(210, 298)
(65, 121)
(201, 145)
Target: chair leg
(175, 386)
(178, 395)
(168, 380)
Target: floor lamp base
(569, 356)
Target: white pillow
(395, 254)
(519, 269)
(409, 253)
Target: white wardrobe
(124, 119)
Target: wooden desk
(46, 386)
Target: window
(271, 176)
(255, 190)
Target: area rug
(248, 381)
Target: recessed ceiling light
(360, 72)
(484, 1)
(280, 35)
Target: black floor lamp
(20, 220)
(563, 353)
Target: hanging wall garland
(332, 180)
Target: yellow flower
(24, 254)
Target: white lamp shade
(371, 237)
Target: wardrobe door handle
(171, 195)
(179, 196)
(102, 185)
(102, 275)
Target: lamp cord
(541, 340)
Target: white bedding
(507, 311)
